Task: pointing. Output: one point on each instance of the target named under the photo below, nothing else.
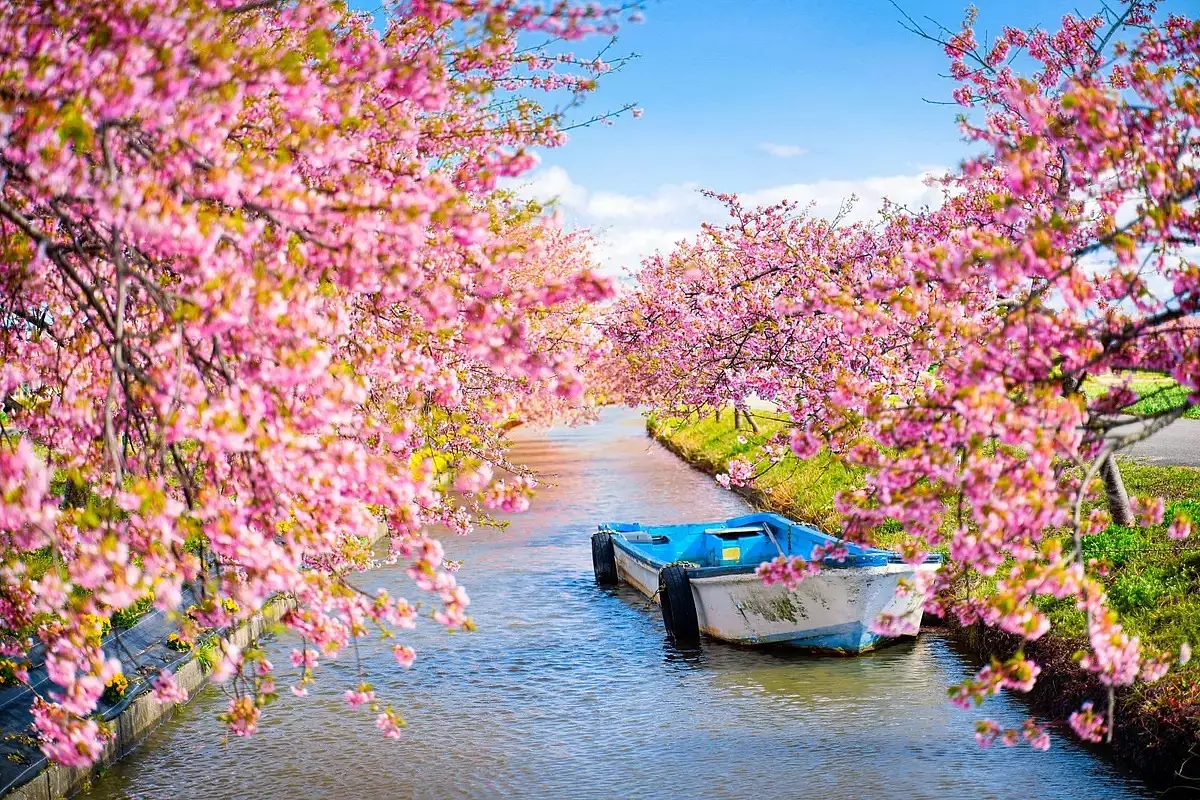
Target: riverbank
(143, 649)
(134, 719)
(1153, 582)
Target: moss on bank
(1153, 582)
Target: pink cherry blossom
(268, 295)
(405, 656)
(1180, 527)
(166, 690)
(363, 694)
(1086, 723)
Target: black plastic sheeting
(142, 650)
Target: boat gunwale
(619, 529)
(733, 570)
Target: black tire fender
(604, 559)
(678, 606)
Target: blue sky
(809, 100)
(839, 79)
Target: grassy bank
(802, 489)
(1152, 581)
(1156, 393)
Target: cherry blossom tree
(944, 350)
(260, 295)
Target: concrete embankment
(143, 649)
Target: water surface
(569, 690)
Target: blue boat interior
(739, 544)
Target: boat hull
(832, 611)
(639, 574)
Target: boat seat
(735, 533)
(643, 537)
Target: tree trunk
(1114, 492)
(75, 495)
(1114, 485)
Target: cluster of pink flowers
(363, 693)
(390, 723)
(166, 690)
(741, 473)
(1114, 655)
(988, 731)
(1180, 527)
(787, 571)
(474, 480)
(1087, 724)
(65, 737)
(891, 625)
(1017, 673)
(405, 655)
(510, 495)
(242, 716)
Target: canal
(568, 690)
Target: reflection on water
(568, 690)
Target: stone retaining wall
(136, 720)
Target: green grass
(126, 617)
(1169, 483)
(804, 489)
(1152, 581)
(38, 562)
(1156, 393)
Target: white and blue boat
(703, 576)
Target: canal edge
(142, 716)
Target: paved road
(1178, 443)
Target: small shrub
(177, 642)
(127, 617)
(195, 541)
(115, 689)
(890, 526)
(1115, 544)
(8, 672)
(95, 628)
(207, 656)
(1188, 565)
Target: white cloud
(552, 183)
(667, 201)
(827, 196)
(631, 227)
(782, 150)
(622, 249)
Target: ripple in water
(568, 690)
